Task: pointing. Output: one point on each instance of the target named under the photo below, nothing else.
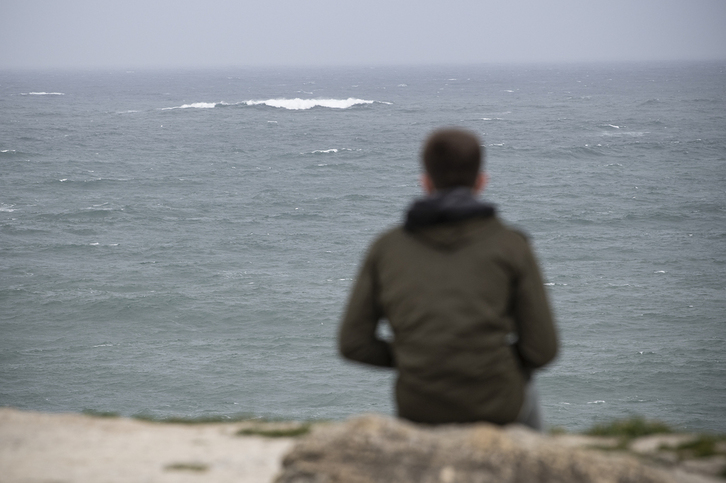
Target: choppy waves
(13, 154)
(228, 239)
(296, 104)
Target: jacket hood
(436, 218)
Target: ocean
(182, 243)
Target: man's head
(453, 158)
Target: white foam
(303, 104)
(283, 103)
(635, 134)
(7, 208)
(43, 94)
(196, 105)
(333, 150)
(599, 401)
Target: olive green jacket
(469, 315)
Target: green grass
(290, 432)
(195, 420)
(275, 433)
(701, 447)
(630, 428)
(197, 467)
(100, 414)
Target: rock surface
(375, 449)
(65, 448)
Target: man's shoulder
(514, 232)
(495, 230)
(487, 227)
(489, 230)
(509, 242)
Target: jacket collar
(446, 206)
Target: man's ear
(427, 184)
(481, 182)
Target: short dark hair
(452, 157)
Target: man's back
(463, 295)
(448, 291)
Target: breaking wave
(283, 103)
(197, 105)
(301, 104)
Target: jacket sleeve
(537, 344)
(357, 338)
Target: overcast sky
(185, 33)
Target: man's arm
(537, 344)
(357, 338)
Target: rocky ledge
(374, 449)
(40, 447)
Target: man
(464, 298)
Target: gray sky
(185, 33)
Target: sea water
(182, 243)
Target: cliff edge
(41, 447)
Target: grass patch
(275, 433)
(701, 447)
(630, 428)
(194, 420)
(100, 414)
(622, 445)
(196, 467)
